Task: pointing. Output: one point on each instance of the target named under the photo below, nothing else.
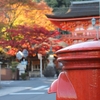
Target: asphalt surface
(32, 89)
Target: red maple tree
(35, 39)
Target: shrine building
(77, 20)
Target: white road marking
(38, 88)
(6, 82)
(46, 88)
(6, 91)
(27, 93)
(16, 90)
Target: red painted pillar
(80, 79)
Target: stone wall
(7, 74)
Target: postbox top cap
(84, 46)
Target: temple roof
(79, 9)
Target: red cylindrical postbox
(80, 78)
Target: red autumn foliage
(35, 39)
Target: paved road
(33, 89)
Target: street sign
(24, 62)
(19, 55)
(25, 53)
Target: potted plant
(24, 76)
